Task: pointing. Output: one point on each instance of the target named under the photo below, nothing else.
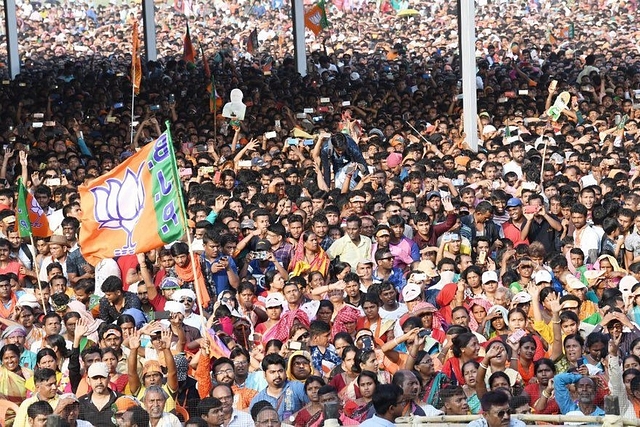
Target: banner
(30, 217)
(135, 207)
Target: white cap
(98, 369)
(489, 276)
(274, 300)
(411, 291)
(28, 300)
(521, 298)
(181, 293)
(575, 283)
(542, 276)
(174, 307)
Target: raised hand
(81, 328)
(134, 340)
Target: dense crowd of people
(362, 263)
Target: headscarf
(281, 330)
(612, 260)
(424, 306)
(444, 298)
(473, 323)
(299, 266)
(505, 316)
(347, 314)
(92, 324)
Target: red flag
(136, 66)
(189, 52)
(252, 41)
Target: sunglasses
(503, 413)
(183, 300)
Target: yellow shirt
(22, 417)
(349, 251)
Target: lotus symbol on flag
(118, 206)
(316, 18)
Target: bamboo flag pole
(183, 214)
(37, 270)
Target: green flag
(24, 224)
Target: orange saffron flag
(134, 208)
(136, 66)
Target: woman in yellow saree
(12, 375)
(309, 256)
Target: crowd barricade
(547, 420)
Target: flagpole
(183, 213)
(134, 54)
(37, 270)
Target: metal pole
(300, 50)
(149, 24)
(11, 28)
(466, 27)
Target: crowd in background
(362, 262)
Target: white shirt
(377, 421)
(240, 419)
(589, 242)
(169, 420)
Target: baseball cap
(98, 369)
(274, 300)
(513, 202)
(542, 276)
(365, 261)
(174, 307)
(183, 293)
(489, 276)
(521, 298)
(247, 224)
(575, 283)
(358, 198)
(411, 291)
(432, 194)
(125, 402)
(112, 331)
(263, 245)
(169, 283)
(382, 231)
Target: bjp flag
(31, 218)
(135, 207)
(315, 19)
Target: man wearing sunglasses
(496, 412)
(187, 298)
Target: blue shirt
(317, 357)
(220, 279)
(396, 277)
(563, 398)
(291, 400)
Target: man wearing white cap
(179, 329)
(187, 298)
(96, 405)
